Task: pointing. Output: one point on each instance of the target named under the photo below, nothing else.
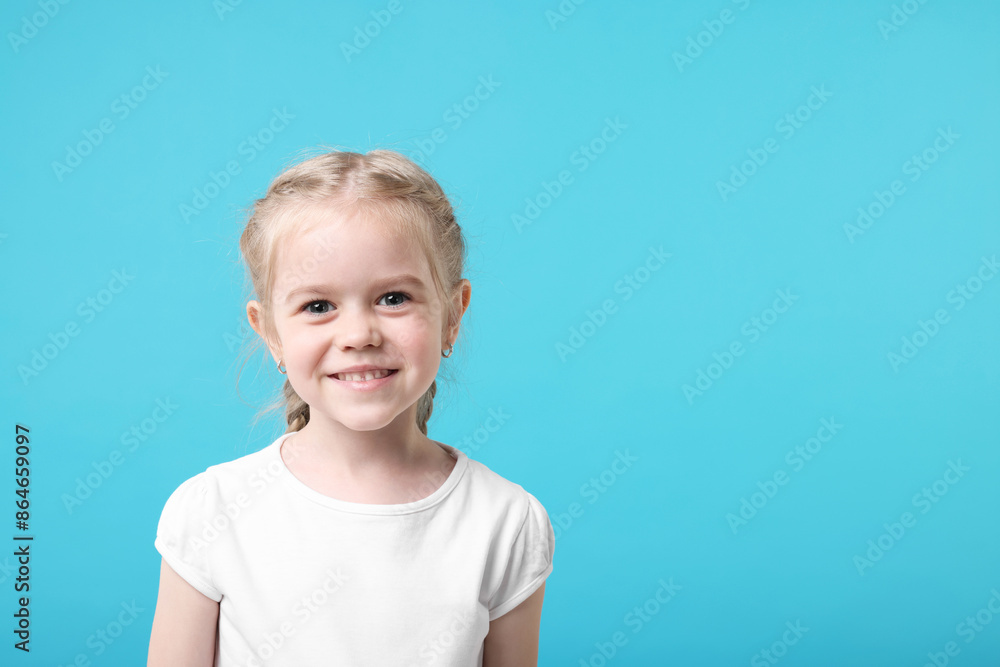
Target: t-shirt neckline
(293, 482)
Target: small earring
(450, 348)
(279, 366)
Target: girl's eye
(309, 307)
(396, 299)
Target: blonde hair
(381, 185)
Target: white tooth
(363, 377)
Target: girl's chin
(367, 423)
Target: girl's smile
(364, 378)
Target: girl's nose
(356, 329)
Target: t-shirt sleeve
(179, 535)
(529, 562)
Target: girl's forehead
(345, 248)
(315, 223)
(345, 239)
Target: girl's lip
(366, 385)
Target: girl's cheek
(415, 333)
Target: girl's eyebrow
(404, 279)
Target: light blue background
(170, 333)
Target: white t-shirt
(304, 579)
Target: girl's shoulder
(225, 481)
(490, 481)
(489, 488)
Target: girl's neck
(363, 454)
(367, 467)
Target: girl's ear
(255, 315)
(460, 298)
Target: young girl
(353, 539)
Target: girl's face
(346, 296)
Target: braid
(297, 410)
(425, 406)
